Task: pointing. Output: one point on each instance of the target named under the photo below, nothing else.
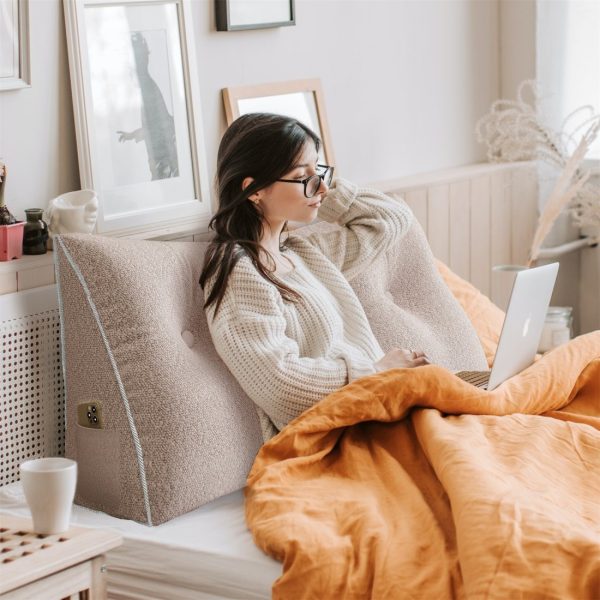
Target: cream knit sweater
(289, 355)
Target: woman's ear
(254, 197)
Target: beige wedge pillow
(177, 430)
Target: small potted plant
(11, 230)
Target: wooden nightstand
(67, 565)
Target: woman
(281, 312)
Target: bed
(207, 553)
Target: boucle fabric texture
(409, 305)
(289, 355)
(178, 429)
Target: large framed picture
(233, 15)
(301, 99)
(137, 115)
(15, 72)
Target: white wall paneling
(460, 228)
(474, 217)
(438, 221)
(500, 223)
(481, 229)
(417, 200)
(524, 186)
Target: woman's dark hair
(265, 147)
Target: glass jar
(35, 232)
(558, 327)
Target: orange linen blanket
(414, 484)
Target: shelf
(172, 233)
(26, 262)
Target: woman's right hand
(401, 358)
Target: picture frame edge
(23, 79)
(232, 94)
(222, 17)
(77, 52)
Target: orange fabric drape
(413, 484)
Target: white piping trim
(134, 434)
(61, 320)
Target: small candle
(557, 328)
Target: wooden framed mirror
(301, 99)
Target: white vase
(73, 212)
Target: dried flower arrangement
(514, 131)
(6, 217)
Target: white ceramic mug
(49, 486)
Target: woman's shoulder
(243, 272)
(247, 295)
(245, 281)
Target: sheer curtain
(568, 60)
(567, 56)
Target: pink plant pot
(11, 241)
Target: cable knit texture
(289, 355)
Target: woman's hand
(401, 358)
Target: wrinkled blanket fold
(414, 484)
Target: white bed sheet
(205, 554)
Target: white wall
(404, 83)
(568, 60)
(37, 137)
(517, 45)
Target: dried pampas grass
(566, 188)
(514, 131)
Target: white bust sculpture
(74, 212)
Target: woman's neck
(270, 239)
(270, 243)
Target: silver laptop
(522, 328)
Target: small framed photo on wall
(15, 72)
(301, 99)
(234, 15)
(137, 114)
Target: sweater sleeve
(249, 334)
(371, 222)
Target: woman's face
(285, 201)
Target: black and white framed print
(234, 15)
(137, 113)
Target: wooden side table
(53, 567)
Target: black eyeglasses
(313, 183)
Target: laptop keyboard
(477, 378)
